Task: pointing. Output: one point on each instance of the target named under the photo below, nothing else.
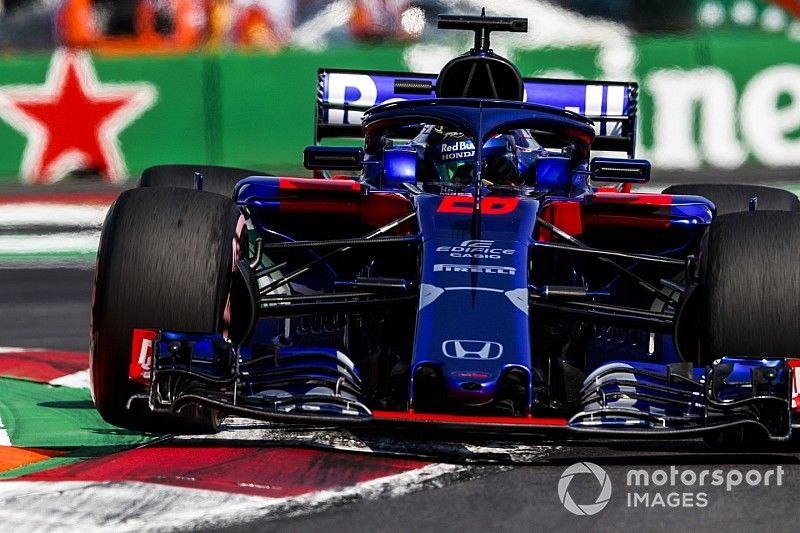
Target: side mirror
(620, 170)
(399, 166)
(333, 158)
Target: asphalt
(45, 308)
(50, 307)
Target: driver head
(449, 157)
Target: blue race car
(471, 267)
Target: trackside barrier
(719, 100)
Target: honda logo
(482, 350)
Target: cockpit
(440, 158)
(448, 157)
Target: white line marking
(14, 349)
(24, 214)
(45, 262)
(5, 440)
(81, 242)
(78, 380)
(128, 506)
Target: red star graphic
(73, 121)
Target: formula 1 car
(477, 270)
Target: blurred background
(233, 82)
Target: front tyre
(751, 286)
(165, 261)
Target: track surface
(45, 308)
(49, 308)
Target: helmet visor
(455, 172)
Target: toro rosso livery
(472, 266)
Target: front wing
(321, 386)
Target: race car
(473, 266)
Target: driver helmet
(450, 157)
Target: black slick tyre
(165, 261)
(751, 286)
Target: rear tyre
(751, 286)
(165, 261)
(733, 198)
(219, 180)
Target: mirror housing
(399, 166)
(333, 158)
(620, 170)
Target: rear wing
(344, 95)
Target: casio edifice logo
(479, 249)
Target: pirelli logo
(476, 269)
